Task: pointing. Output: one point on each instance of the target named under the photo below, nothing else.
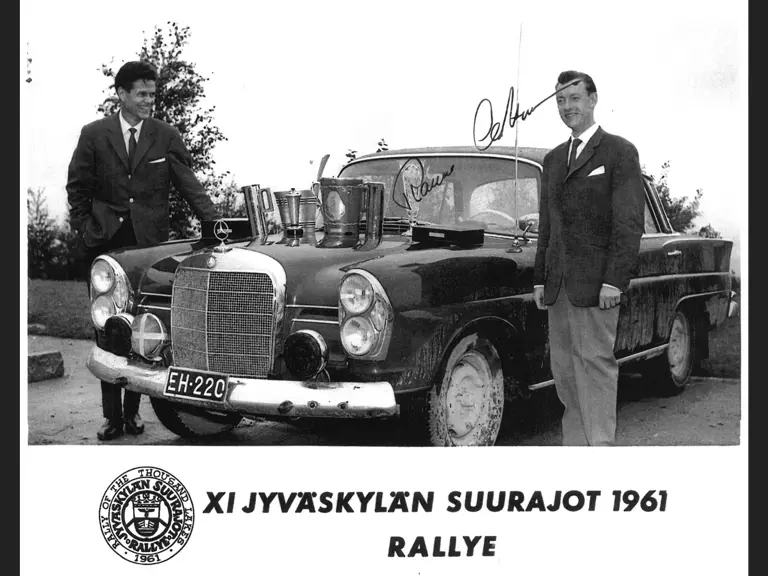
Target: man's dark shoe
(109, 430)
(134, 425)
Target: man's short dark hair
(570, 75)
(132, 71)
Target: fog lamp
(305, 353)
(117, 330)
(101, 309)
(357, 335)
(148, 335)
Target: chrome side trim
(650, 353)
(682, 238)
(313, 321)
(256, 396)
(167, 296)
(541, 385)
(312, 307)
(150, 307)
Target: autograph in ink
(422, 189)
(496, 129)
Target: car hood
(411, 273)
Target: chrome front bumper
(256, 396)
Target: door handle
(674, 253)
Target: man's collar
(125, 126)
(588, 133)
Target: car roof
(527, 153)
(524, 152)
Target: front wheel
(466, 404)
(190, 421)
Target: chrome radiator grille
(223, 321)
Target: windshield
(456, 190)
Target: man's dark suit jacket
(101, 183)
(589, 226)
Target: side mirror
(527, 220)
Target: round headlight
(102, 276)
(357, 336)
(356, 294)
(379, 316)
(101, 309)
(147, 336)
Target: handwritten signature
(496, 129)
(422, 189)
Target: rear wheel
(674, 368)
(466, 404)
(190, 421)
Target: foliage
(382, 146)
(52, 250)
(351, 154)
(709, 232)
(179, 92)
(41, 232)
(680, 211)
(230, 201)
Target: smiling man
(590, 224)
(118, 185)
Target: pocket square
(597, 171)
(157, 161)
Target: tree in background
(382, 146)
(41, 233)
(680, 211)
(230, 201)
(180, 90)
(709, 232)
(351, 154)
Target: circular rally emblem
(146, 515)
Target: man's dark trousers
(114, 409)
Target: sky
(292, 81)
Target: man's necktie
(574, 147)
(131, 146)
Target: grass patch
(725, 350)
(62, 307)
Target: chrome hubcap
(467, 394)
(678, 352)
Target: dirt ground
(67, 410)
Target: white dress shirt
(126, 130)
(584, 137)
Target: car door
(648, 303)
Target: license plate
(196, 384)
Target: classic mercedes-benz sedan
(402, 288)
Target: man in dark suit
(590, 224)
(118, 185)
